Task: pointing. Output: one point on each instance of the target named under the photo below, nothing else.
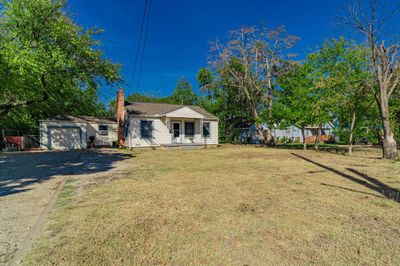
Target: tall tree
(294, 101)
(253, 58)
(371, 19)
(224, 99)
(49, 65)
(343, 67)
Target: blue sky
(180, 30)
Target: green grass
(66, 196)
(233, 205)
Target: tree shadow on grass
(20, 170)
(366, 181)
(352, 190)
(334, 149)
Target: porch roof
(169, 110)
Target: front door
(176, 132)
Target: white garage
(65, 138)
(75, 133)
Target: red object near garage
(14, 140)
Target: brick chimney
(120, 117)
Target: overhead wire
(140, 48)
(144, 45)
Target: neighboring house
(290, 134)
(72, 133)
(168, 125)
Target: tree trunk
(389, 143)
(317, 139)
(304, 138)
(379, 137)
(263, 137)
(270, 137)
(353, 122)
(261, 134)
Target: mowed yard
(234, 205)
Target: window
(103, 130)
(146, 129)
(206, 130)
(189, 129)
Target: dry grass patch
(231, 206)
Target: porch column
(168, 122)
(201, 130)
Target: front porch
(188, 131)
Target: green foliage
(48, 64)
(205, 79)
(342, 68)
(395, 115)
(297, 99)
(138, 97)
(183, 94)
(329, 86)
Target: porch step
(185, 146)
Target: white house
(169, 125)
(77, 132)
(137, 125)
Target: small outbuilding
(77, 132)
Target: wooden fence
(322, 138)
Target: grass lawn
(234, 205)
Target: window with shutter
(146, 129)
(206, 129)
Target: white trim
(180, 131)
(184, 112)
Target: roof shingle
(160, 109)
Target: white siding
(87, 130)
(289, 132)
(213, 139)
(161, 133)
(101, 140)
(163, 136)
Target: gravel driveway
(29, 185)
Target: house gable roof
(184, 112)
(162, 109)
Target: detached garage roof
(161, 109)
(81, 119)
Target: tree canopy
(48, 64)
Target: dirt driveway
(29, 185)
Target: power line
(139, 51)
(144, 45)
(139, 42)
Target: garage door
(65, 138)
